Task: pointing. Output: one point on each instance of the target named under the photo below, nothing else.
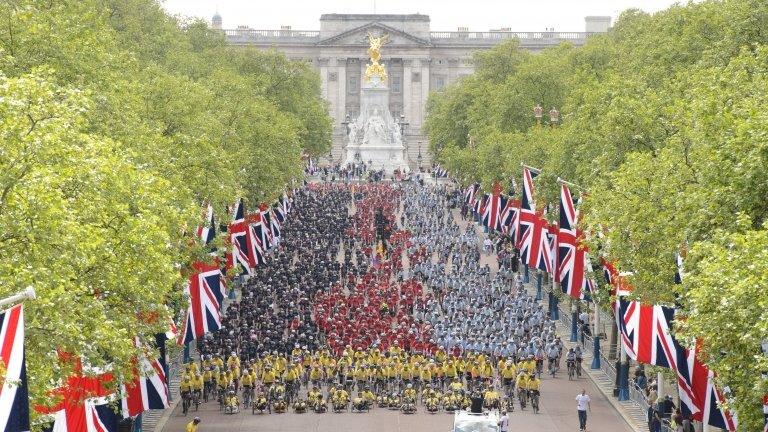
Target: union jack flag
(279, 213)
(285, 204)
(256, 249)
(705, 402)
(479, 206)
(85, 403)
(14, 400)
(552, 239)
(646, 337)
(203, 315)
(145, 392)
(527, 221)
(570, 256)
(206, 233)
(469, 195)
(240, 240)
(542, 252)
(274, 225)
(267, 238)
(495, 203)
(509, 217)
(440, 172)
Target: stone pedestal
(374, 136)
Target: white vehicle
(464, 421)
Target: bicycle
(196, 399)
(534, 395)
(571, 369)
(552, 367)
(247, 395)
(578, 367)
(521, 396)
(207, 389)
(186, 400)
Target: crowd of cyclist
(270, 356)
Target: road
(558, 410)
(558, 414)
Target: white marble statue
(353, 131)
(375, 130)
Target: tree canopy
(117, 122)
(663, 124)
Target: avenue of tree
(664, 126)
(116, 122)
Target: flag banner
(85, 403)
(203, 315)
(495, 203)
(509, 217)
(14, 397)
(206, 233)
(148, 390)
(527, 220)
(570, 271)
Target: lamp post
(346, 122)
(418, 158)
(554, 116)
(538, 112)
(403, 124)
(574, 325)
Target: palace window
(397, 84)
(353, 85)
(439, 82)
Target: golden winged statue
(374, 51)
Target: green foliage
(663, 124)
(728, 310)
(117, 121)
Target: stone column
(323, 67)
(408, 104)
(341, 70)
(424, 95)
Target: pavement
(557, 411)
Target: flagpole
(561, 181)
(623, 374)
(529, 167)
(26, 294)
(596, 338)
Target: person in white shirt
(582, 405)
(504, 422)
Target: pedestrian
(504, 422)
(582, 405)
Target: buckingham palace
(417, 59)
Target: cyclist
(570, 359)
(231, 400)
(247, 381)
(314, 395)
(522, 387)
(368, 396)
(410, 393)
(508, 373)
(197, 385)
(186, 386)
(207, 382)
(579, 357)
(192, 426)
(534, 387)
(552, 355)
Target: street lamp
(418, 158)
(403, 124)
(346, 122)
(554, 116)
(538, 112)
